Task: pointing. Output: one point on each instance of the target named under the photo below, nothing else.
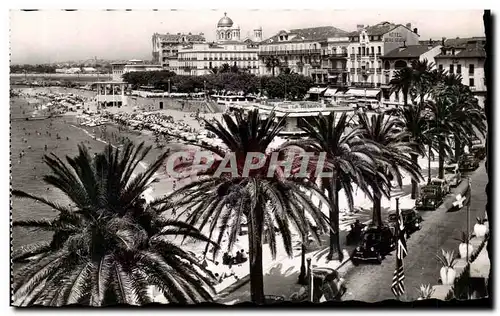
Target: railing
(338, 85)
(290, 52)
(379, 70)
(333, 55)
(352, 56)
(353, 69)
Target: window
(440, 67)
(471, 69)
(373, 50)
(359, 50)
(353, 51)
(459, 69)
(471, 82)
(379, 49)
(451, 69)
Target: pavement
(372, 283)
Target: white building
(166, 46)
(120, 68)
(466, 57)
(368, 44)
(200, 58)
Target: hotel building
(166, 46)
(318, 52)
(465, 57)
(199, 58)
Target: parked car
(354, 235)
(377, 242)
(479, 151)
(443, 185)
(430, 197)
(468, 162)
(411, 220)
(452, 174)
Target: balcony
(315, 64)
(379, 70)
(338, 85)
(358, 57)
(353, 69)
(335, 55)
(352, 56)
(290, 52)
(372, 56)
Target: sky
(54, 36)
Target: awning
(316, 90)
(330, 92)
(332, 76)
(369, 93)
(340, 94)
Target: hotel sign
(394, 37)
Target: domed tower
(224, 28)
(257, 34)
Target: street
(372, 283)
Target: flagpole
(468, 232)
(397, 216)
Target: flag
(398, 287)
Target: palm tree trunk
(255, 255)
(429, 165)
(377, 208)
(458, 149)
(414, 184)
(441, 159)
(334, 221)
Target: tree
(109, 246)
(455, 112)
(393, 158)
(402, 81)
(272, 62)
(268, 202)
(349, 159)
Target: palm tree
(272, 62)
(393, 158)
(414, 121)
(109, 246)
(454, 113)
(402, 81)
(268, 202)
(348, 158)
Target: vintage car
(411, 220)
(468, 162)
(377, 242)
(430, 197)
(452, 174)
(479, 151)
(442, 184)
(327, 285)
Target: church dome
(225, 21)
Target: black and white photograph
(164, 157)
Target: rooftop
(378, 29)
(458, 42)
(178, 38)
(410, 51)
(469, 52)
(308, 34)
